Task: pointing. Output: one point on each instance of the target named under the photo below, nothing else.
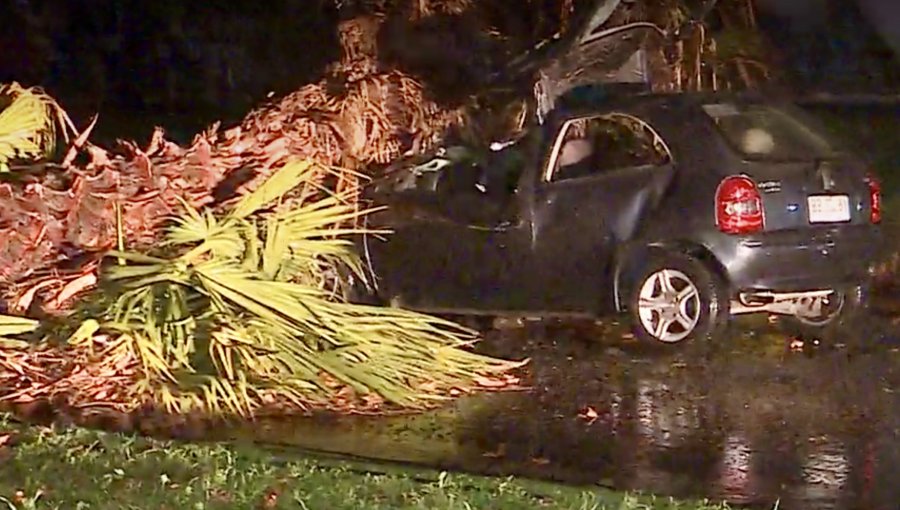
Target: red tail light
(738, 206)
(875, 198)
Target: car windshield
(768, 133)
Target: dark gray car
(680, 209)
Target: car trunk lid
(811, 193)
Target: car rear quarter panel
(687, 209)
(684, 218)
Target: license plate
(829, 208)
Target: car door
(450, 248)
(604, 174)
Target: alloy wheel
(669, 305)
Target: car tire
(677, 300)
(838, 324)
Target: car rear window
(768, 133)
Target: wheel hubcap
(669, 305)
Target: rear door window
(596, 145)
(767, 133)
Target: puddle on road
(755, 425)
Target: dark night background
(165, 57)
(194, 62)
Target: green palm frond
(243, 307)
(29, 124)
(11, 325)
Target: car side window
(595, 145)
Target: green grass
(83, 469)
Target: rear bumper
(800, 260)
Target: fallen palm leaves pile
(59, 222)
(233, 313)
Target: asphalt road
(757, 422)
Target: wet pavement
(754, 424)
